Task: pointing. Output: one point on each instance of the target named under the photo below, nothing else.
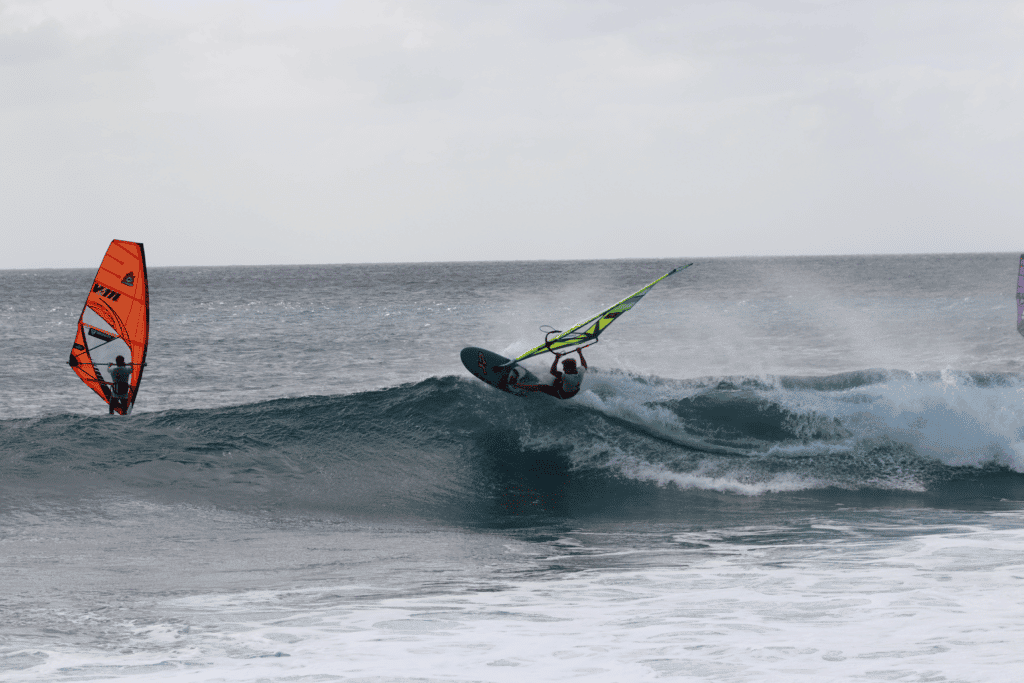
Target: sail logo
(129, 279)
(107, 292)
(100, 334)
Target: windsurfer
(567, 382)
(121, 375)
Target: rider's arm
(583, 361)
(554, 365)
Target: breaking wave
(451, 448)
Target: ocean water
(792, 469)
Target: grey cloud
(47, 41)
(404, 85)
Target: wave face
(453, 449)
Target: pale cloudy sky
(339, 131)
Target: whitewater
(800, 469)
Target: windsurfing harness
(586, 332)
(571, 381)
(115, 322)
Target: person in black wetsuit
(568, 381)
(120, 386)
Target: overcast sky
(293, 131)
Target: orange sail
(115, 322)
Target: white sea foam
(938, 603)
(951, 419)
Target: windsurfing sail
(1020, 296)
(586, 332)
(114, 322)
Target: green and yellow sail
(586, 332)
